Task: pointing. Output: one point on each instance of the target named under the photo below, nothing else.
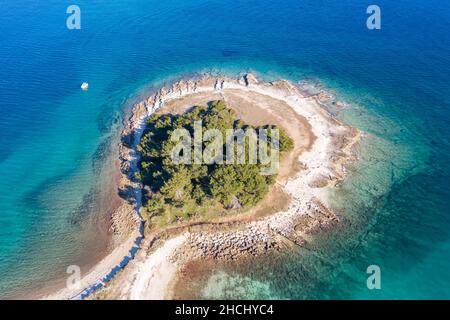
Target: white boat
(85, 86)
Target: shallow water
(55, 137)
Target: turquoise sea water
(56, 139)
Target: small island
(194, 200)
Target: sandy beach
(296, 206)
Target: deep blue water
(55, 137)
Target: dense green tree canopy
(183, 189)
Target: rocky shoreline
(283, 230)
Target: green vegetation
(180, 191)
